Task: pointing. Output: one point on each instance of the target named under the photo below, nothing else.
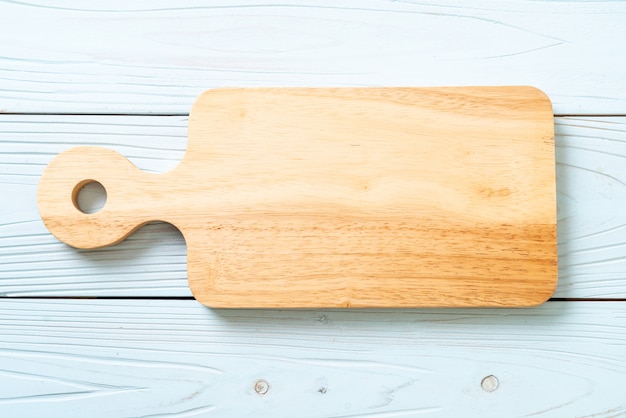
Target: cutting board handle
(121, 215)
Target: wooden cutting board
(341, 197)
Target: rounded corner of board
(541, 96)
(542, 297)
(218, 91)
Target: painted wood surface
(157, 358)
(349, 197)
(591, 178)
(157, 56)
(95, 358)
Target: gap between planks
(192, 298)
(186, 114)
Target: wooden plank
(591, 193)
(406, 197)
(591, 185)
(96, 358)
(156, 57)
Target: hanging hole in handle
(89, 196)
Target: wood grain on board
(157, 56)
(116, 358)
(349, 197)
(591, 194)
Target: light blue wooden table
(116, 333)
